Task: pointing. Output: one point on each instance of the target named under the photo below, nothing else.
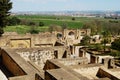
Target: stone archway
(71, 35)
(59, 35)
(55, 54)
(64, 55)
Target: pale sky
(65, 5)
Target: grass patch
(22, 29)
(70, 24)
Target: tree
(5, 6)
(33, 28)
(85, 40)
(106, 38)
(86, 26)
(14, 21)
(31, 23)
(116, 44)
(41, 24)
(94, 40)
(24, 22)
(55, 28)
(64, 26)
(96, 47)
(73, 18)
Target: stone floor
(88, 72)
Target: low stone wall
(11, 65)
(49, 65)
(74, 61)
(26, 77)
(40, 55)
(103, 73)
(55, 64)
(27, 41)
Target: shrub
(33, 30)
(14, 21)
(41, 24)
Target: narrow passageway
(5, 70)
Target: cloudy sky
(62, 5)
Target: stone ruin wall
(14, 40)
(74, 61)
(76, 33)
(11, 65)
(28, 40)
(39, 57)
(75, 36)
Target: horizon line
(67, 10)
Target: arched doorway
(64, 55)
(59, 35)
(71, 35)
(80, 53)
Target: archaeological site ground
(47, 56)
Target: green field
(49, 20)
(22, 29)
(70, 24)
(54, 20)
(61, 18)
